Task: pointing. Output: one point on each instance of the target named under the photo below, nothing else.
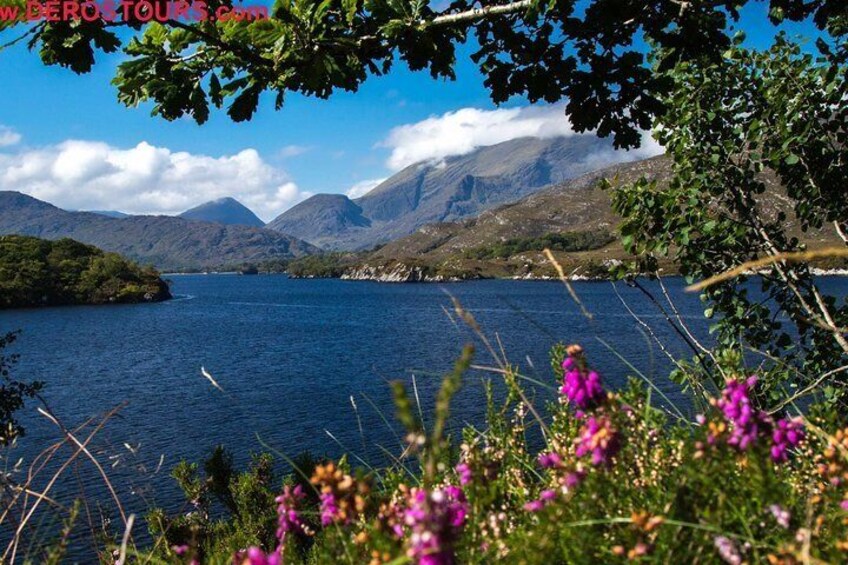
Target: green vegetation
(13, 393)
(322, 265)
(565, 241)
(37, 272)
(590, 54)
(618, 478)
(776, 114)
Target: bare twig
(805, 391)
(567, 283)
(123, 554)
(840, 231)
(780, 260)
(478, 13)
(790, 257)
(12, 547)
(50, 416)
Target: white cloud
(363, 187)
(462, 131)
(91, 175)
(8, 136)
(293, 151)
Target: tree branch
(478, 13)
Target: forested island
(38, 272)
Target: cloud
(363, 187)
(293, 151)
(92, 175)
(462, 131)
(8, 136)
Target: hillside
(168, 243)
(38, 272)
(109, 213)
(454, 189)
(574, 219)
(227, 211)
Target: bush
(618, 478)
(564, 241)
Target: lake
(291, 354)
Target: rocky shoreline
(404, 273)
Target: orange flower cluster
(646, 527)
(343, 498)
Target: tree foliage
(591, 54)
(13, 393)
(36, 272)
(733, 127)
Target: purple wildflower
(580, 386)
(781, 515)
(434, 520)
(287, 510)
(574, 478)
(465, 473)
(534, 506)
(727, 551)
(736, 406)
(545, 497)
(255, 556)
(329, 508)
(598, 438)
(550, 460)
(785, 435)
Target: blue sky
(309, 146)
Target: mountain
(168, 243)
(227, 211)
(453, 189)
(110, 213)
(575, 219)
(322, 218)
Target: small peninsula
(39, 272)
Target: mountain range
(167, 242)
(449, 190)
(574, 218)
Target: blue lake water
(290, 354)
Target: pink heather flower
(786, 434)
(574, 478)
(434, 520)
(727, 551)
(464, 472)
(179, 549)
(545, 497)
(580, 386)
(598, 438)
(287, 510)
(550, 460)
(534, 506)
(736, 406)
(255, 556)
(844, 504)
(329, 508)
(781, 515)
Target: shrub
(617, 478)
